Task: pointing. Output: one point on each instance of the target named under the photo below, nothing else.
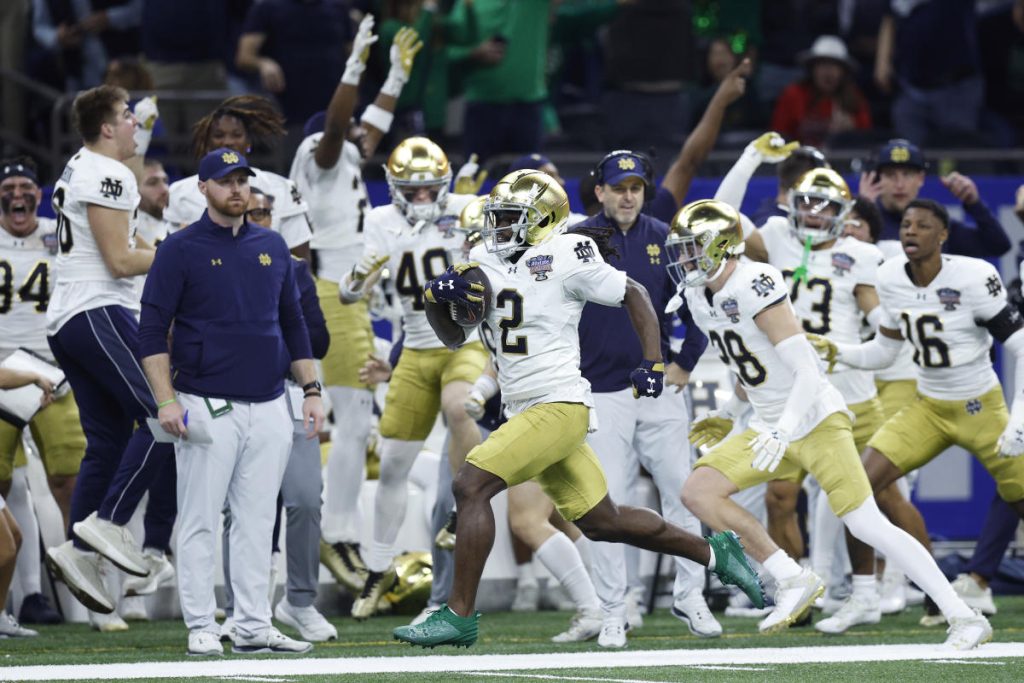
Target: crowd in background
(501, 77)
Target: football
(449, 319)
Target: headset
(645, 164)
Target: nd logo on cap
(627, 163)
(229, 158)
(899, 155)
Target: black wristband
(314, 385)
(309, 394)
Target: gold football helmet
(471, 222)
(702, 237)
(418, 163)
(522, 210)
(818, 205)
(414, 576)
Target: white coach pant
(653, 432)
(244, 465)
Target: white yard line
(290, 667)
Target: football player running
(327, 170)
(949, 308)
(800, 421)
(541, 278)
(413, 236)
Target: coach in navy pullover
(238, 322)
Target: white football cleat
(694, 612)
(161, 573)
(967, 633)
(793, 598)
(80, 571)
(204, 644)
(976, 597)
(613, 633)
(107, 623)
(133, 608)
(585, 625)
(113, 542)
(310, 624)
(857, 609)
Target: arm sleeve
(160, 297)
(591, 278)
(875, 354)
(694, 342)
(734, 185)
(293, 324)
(796, 352)
(319, 337)
(987, 239)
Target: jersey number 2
(513, 320)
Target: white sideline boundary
(289, 667)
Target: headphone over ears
(597, 173)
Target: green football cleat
(732, 568)
(443, 627)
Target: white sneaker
(81, 572)
(613, 633)
(693, 611)
(204, 644)
(272, 642)
(161, 573)
(10, 628)
(310, 624)
(585, 625)
(858, 609)
(967, 633)
(107, 623)
(133, 608)
(793, 597)
(113, 542)
(971, 592)
(635, 608)
(424, 615)
(893, 592)
(527, 598)
(227, 630)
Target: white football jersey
(26, 266)
(825, 302)
(903, 367)
(535, 312)
(338, 204)
(415, 256)
(83, 281)
(187, 203)
(152, 229)
(943, 323)
(727, 318)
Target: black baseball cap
(900, 152)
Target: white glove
(356, 63)
(146, 114)
(403, 53)
(474, 404)
(769, 447)
(470, 178)
(1011, 441)
(368, 265)
(771, 148)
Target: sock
(396, 459)
(19, 500)
(865, 586)
(559, 556)
(342, 517)
(583, 547)
(872, 527)
(526, 575)
(781, 566)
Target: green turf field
(509, 634)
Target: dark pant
(999, 529)
(162, 507)
(505, 128)
(97, 350)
